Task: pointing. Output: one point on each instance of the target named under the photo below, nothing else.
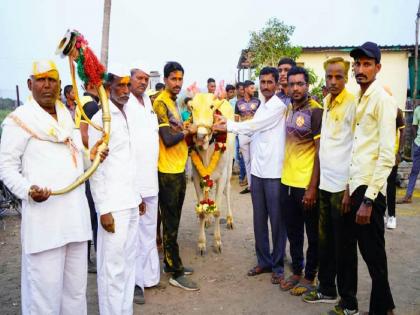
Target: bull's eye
(211, 106)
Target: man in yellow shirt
(299, 181)
(173, 154)
(334, 200)
(372, 159)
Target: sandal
(276, 278)
(257, 270)
(289, 283)
(302, 287)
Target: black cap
(368, 49)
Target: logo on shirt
(300, 121)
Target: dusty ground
(225, 288)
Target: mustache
(361, 76)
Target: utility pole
(416, 54)
(17, 96)
(105, 32)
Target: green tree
(269, 44)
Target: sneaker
(391, 223)
(318, 297)
(338, 310)
(187, 270)
(184, 283)
(138, 295)
(404, 200)
(245, 191)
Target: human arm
(12, 148)
(266, 119)
(310, 197)
(385, 118)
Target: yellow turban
(45, 69)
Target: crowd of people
(325, 170)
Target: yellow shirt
(303, 127)
(172, 159)
(336, 141)
(374, 139)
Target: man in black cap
(372, 159)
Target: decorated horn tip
(66, 44)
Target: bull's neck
(206, 155)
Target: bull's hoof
(229, 223)
(218, 247)
(202, 249)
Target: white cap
(141, 65)
(119, 70)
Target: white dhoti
(245, 149)
(147, 261)
(116, 258)
(54, 281)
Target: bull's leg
(217, 236)
(202, 236)
(229, 216)
(196, 180)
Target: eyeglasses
(299, 84)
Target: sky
(206, 37)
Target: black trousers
(171, 198)
(296, 220)
(371, 240)
(93, 215)
(337, 251)
(391, 191)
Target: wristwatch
(368, 202)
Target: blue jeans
(414, 171)
(240, 160)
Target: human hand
(363, 214)
(220, 123)
(107, 222)
(309, 198)
(94, 151)
(345, 202)
(142, 208)
(39, 194)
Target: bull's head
(203, 106)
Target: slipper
(289, 283)
(302, 288)
(257, 270)
(276, 278)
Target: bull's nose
(201, 135)
(201, 132)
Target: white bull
(211, 165)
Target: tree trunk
(105, 32)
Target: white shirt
(268, 132)
(114, 184)
(146, 139)
(26, 161)
(336, 142)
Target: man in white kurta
(117, 198)
(40, 148)
(146, 138)
(267, 132)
